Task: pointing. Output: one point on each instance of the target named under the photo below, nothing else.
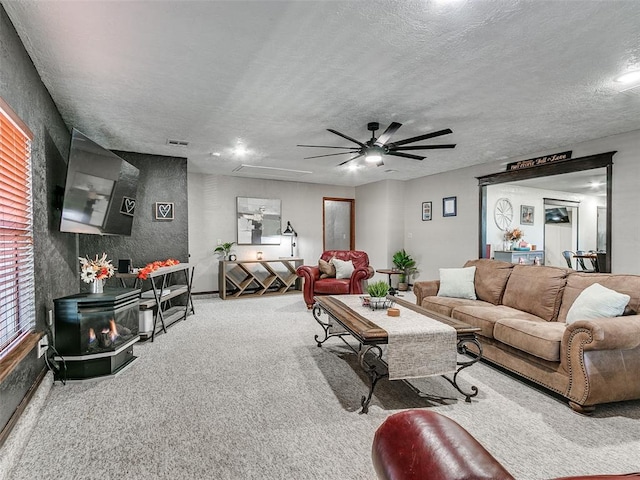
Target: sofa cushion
(331, 286)
(577, 282)
(536, 290)
(597, 301)
(327, 270)
(344, 268)
(536, 337)
(445, 305)
(491, 278)
(485, 316)
(457, 283)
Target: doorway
(561, 229)
(489, 237)
(338, 221)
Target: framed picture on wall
(258, 221)
(526, 215)
(449, 206)
(426, 211)
(164, 210)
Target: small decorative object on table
(144, 272)
(378, 295)
(514, 236)
(224, 249)
(95, 271)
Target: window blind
(17, 294)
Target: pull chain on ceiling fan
(375, 149)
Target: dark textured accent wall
(56, 270)
(162, 179)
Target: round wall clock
(232, 257)
(503, 213)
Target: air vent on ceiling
(270, 171)
(177, 143)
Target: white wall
(380, 222)
(212, 217)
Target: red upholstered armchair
(314, 285)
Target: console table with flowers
(161, 283)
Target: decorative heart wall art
(164, 211)
(128, 206)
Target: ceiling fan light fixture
(374, 154)
(629, 77)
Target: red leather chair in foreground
(424, 445)
(315, 285)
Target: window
(17, 296)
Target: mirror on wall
(338, 218)
(564, 211)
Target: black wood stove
(95, 333)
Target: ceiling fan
(375, 148)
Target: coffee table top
(368, 332)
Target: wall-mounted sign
(128, 206)
(164, 210)
(536, 162)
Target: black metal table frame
(373, 347)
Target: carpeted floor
(240, 391)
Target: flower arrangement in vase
(95, 271)
(513, 236)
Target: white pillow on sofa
(457, 282)
(344, 269)
(597, 301)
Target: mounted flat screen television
(557, 215)
(100, 190)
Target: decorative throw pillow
(457, 282)
(327, 270)
(597, 301)
(343, 269)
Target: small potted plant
(403, 261)
(378, 293)
(224, 249)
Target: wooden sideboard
(526, 257)
(245, 278)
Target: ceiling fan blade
(328, 146)
(350, 160)
(406, 155)
(446, 131)
(346, 137)
(327, 155)
(424, 147)
(391, 129)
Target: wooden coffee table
(370, 336)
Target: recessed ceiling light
(215, 154)
(240, 150)
(629, 77)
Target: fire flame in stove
(112, 330)
(92, 335)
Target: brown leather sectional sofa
(522, 309)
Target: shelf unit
(526, 257)
(164, 312)
(252, 278)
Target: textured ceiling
(508, 77)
